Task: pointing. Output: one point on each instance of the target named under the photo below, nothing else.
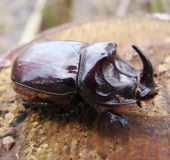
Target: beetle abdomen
(50, 67)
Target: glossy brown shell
(50, 67)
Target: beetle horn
(147, 66)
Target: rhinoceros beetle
(70, 72)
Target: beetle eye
(111, 55)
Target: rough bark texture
(42, 135)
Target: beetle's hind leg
(115, 117)
(34, 104)
(61, 112)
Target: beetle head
(147, 87)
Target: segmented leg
(35, 104)
(67, 114)
(114, 117)
(74, 111)
(139, 104)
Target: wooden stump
(42, 135)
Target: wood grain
(42, 135)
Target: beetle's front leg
(115, 117)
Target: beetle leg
(139, 104)
(115, 117)
(34, 104)
(72, 112)
(66, 115)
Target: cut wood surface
(42, 135)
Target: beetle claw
(139, 104)
(114, 117)
(123, 122)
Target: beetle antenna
(147, 66)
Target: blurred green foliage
(156, 6)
